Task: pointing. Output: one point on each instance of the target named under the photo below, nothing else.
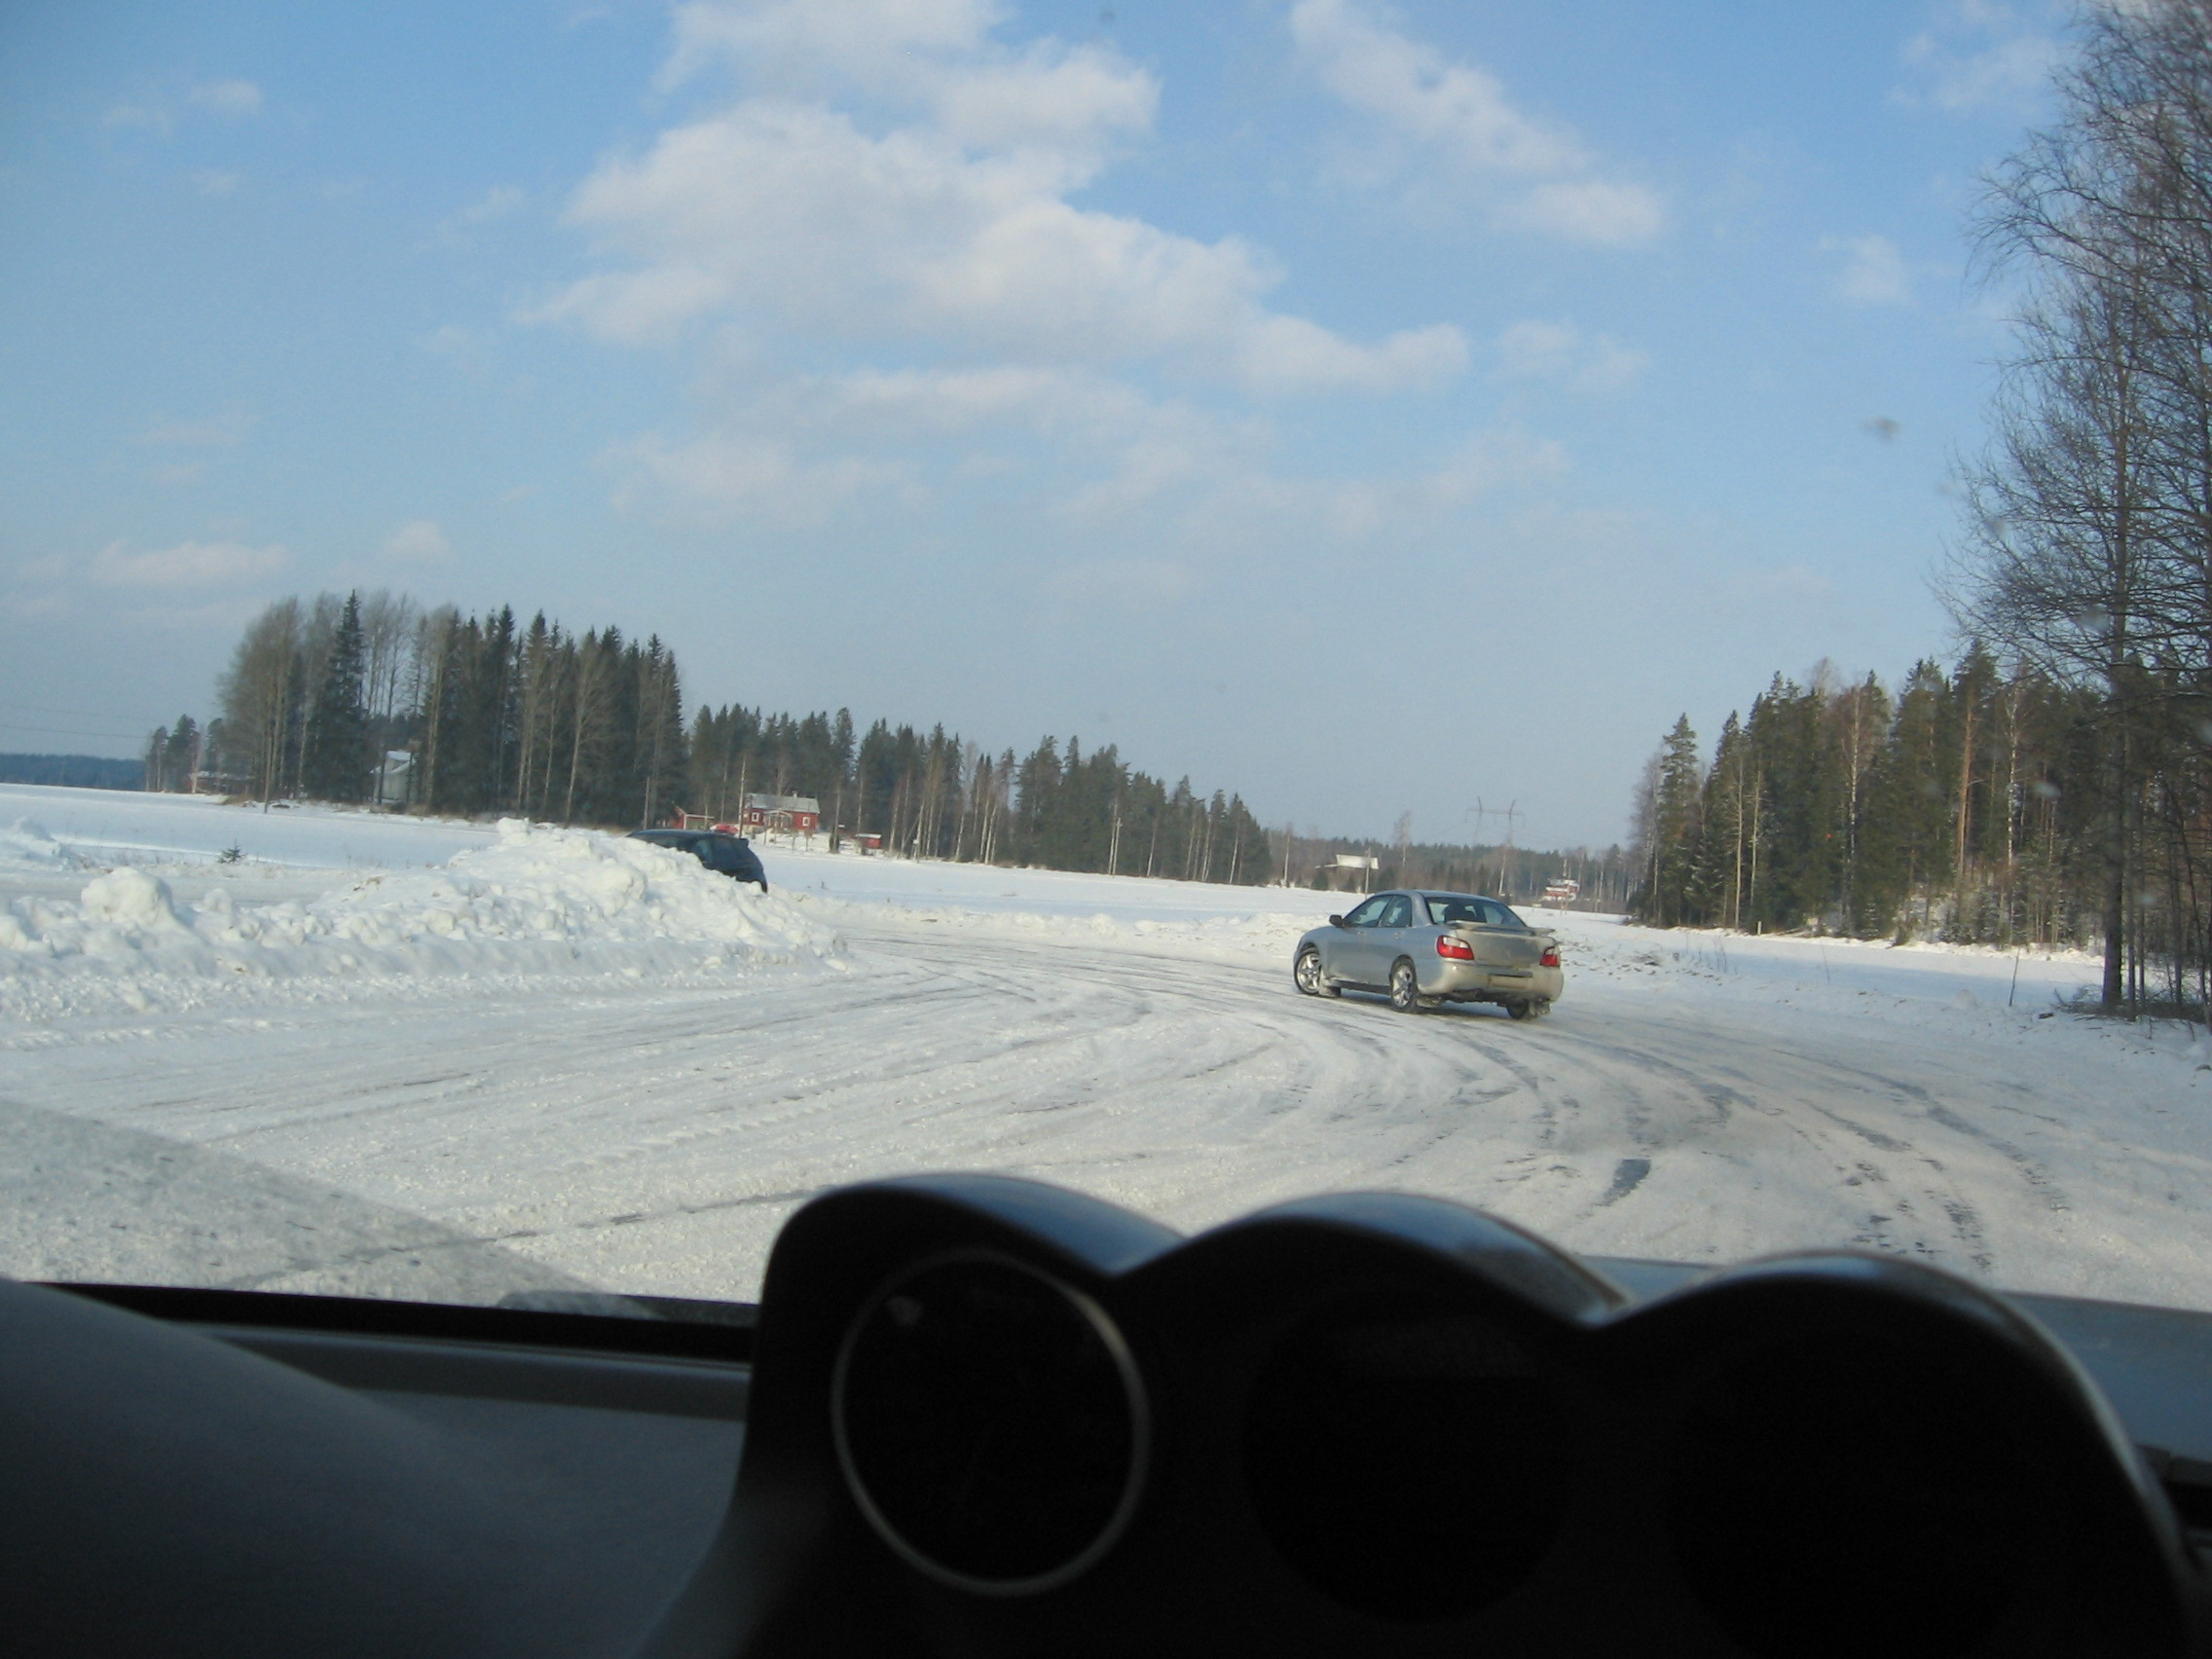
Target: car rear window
(1448, 907)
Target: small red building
(789, 814)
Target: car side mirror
(1338, 922)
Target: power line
(75, 714)
(65, 731)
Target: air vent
(991, 1423)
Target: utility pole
(1511, 812)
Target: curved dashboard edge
(1627, 1387)
(2154, 1365)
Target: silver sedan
(1420, 950)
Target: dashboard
(979, 1415)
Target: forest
(2056, 784)
(489, 715)
(1964, 807)
(372, 698)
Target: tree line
(1963, 807)
(2055, 783)
(486, 715)
(492, 716)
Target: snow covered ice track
(652, 1134)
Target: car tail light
(1550, 957)
(1458, 949)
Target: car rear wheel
(1529, 1008)
(1405, 988)
(1306, 972)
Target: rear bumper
(1469, 981)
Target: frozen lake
(539, 1091)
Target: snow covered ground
(344, 1062)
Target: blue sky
(1366, 408)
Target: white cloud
(232, 99)
(1163, 451)
(189, 563)
(1491, 461)
(952, 230)
(736, 475)
(1078, 102)
(1288, 353)
(1875, 274)
(868, 40)
(959, 399)
(1561, 352)
(1978, 55)
(1378, 511)
(210, 181)
(889, 186)
(1456, 119)
(420, 540)
(936, 54)
(1409, 86)
(1132, 448)
(1097, 453)
(1095, 449)
(1589, 210)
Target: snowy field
(389, 1056)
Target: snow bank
(536, 900)
(25, 845)
(107, 827)
(1861, 976)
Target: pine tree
(1674, 827)
(335, 764)
(180, 765)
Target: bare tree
(388, 633)
(260, 690)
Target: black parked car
(732, 855)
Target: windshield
(988, 454)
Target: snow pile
(535, 900)
(106, 827)
(24, 844)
